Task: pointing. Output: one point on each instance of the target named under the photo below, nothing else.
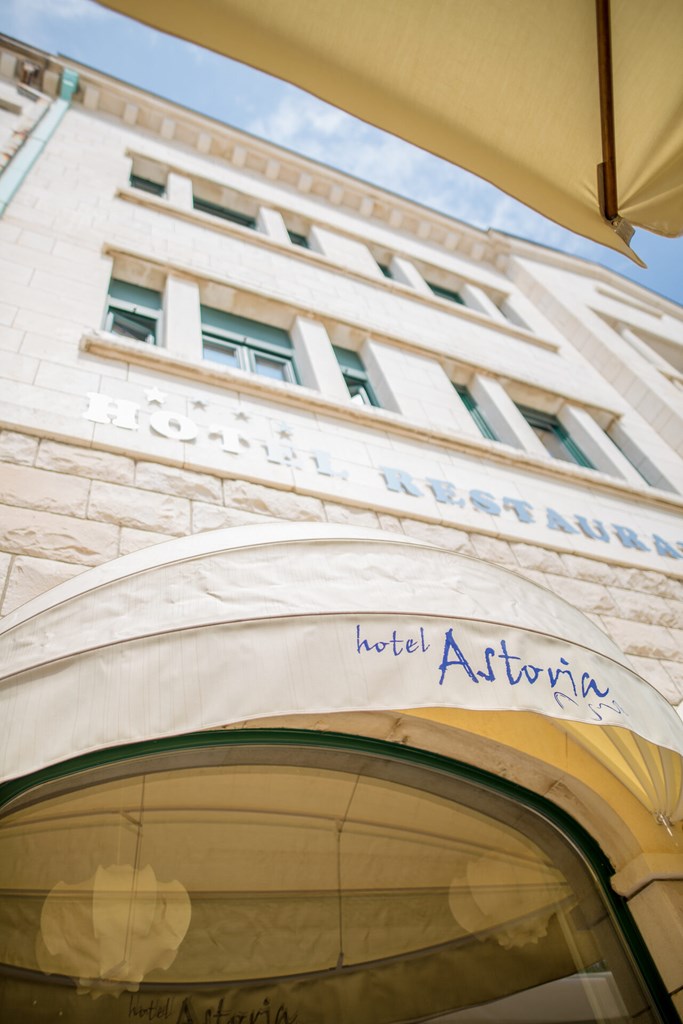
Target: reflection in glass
(319, 887)
(228, 355)
(268, 366)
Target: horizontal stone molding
(153, 357)
(265, 241)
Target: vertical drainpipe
(23, 160)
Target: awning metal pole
(607, 170)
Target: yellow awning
(508, 90)
(264, 622)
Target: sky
(265, 106)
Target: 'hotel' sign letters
(123, 413)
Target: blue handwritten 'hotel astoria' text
(567, 684)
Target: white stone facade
(109, 444)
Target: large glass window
(246, 344)
(310, 884)
(554, 438)
(133, 312)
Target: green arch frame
(585, 845)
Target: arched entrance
(277, 876)
(335, 880)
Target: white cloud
(32, 12)
(309, 126)
(31, 20)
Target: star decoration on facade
(154, 395)
(283, 429)
(241, 415)
(199, 403)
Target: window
(477, 896)
(155, 188)
(133, 312)
(446, 293)
(224, 212)
(554, 437)
(386, 270)
(298, 239)
(247, 345)
(355, 377)
(475, 412)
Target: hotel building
(341, 569)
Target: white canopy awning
(262, 622)
(531, 95)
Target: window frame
(223, 212)
(449, 294)
(473, 408)
(298, 239)
(355, 376)
(248, 349)
(536, 418)
(135, 312)
(154, 188)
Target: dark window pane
(475, 412)
(132, 325)
(155, 188)
(446, 293)
(297, 239)
(224, 212)
(553, 443)
(134, 295)
(554, 437)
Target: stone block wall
(65, 508)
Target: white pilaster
(179, 190)
(657, 462)
(343, 250)
(417, 387)
(596, 445)
(316, 362)
(503, 416)
(270, 223)
(182, 329)
(476, 298)
(521, 312)
(404, 271)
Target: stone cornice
(508, 245)
(469, 360)
(210, 137)
(262, 240)
(110, 346)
